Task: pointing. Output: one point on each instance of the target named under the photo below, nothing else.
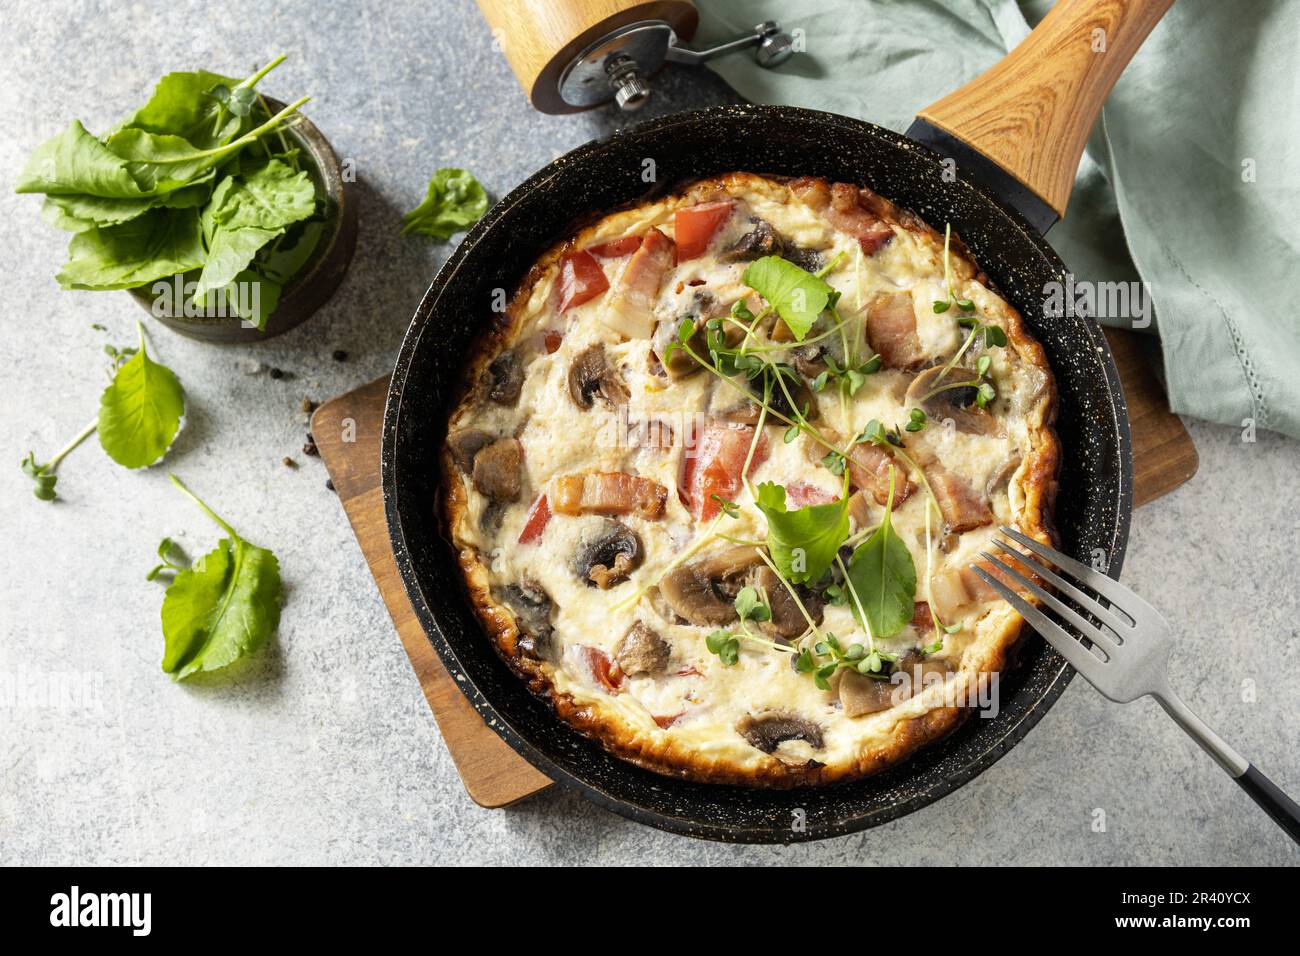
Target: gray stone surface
(322, 750)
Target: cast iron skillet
(1092, 510)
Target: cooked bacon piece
(629, 310)
(695, 226)
(602, 668)
(921, 619)
(538, 515)
(891, 329)
(581, 279)
(979, 590)
(609, 493)
(667, 720)
(616, 248)
(713, 465)
(802, 493)
(847, 209)
(869, 469)
(963, 510)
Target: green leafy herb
(167, 551)
(916, 420)
(173, 190)
(883, 577)
(247, 213)
(798, 296)
(749, 607)
(849, 378)
(140, 411)
(803, 542)
(455, 201)
(44, 474)
(225, 606)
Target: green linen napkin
(1189, 182)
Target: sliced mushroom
(642, 651)
(704, 591)
(764, 240)
(591, 377)
(498, 470)
(810, 361)
(915, 672)
(531, 607)
(860, 694)
(464, 444)
(955, 404)
(769, 730)
(787, 620)
(798, 390)
(1003, 474)
(504, 378)
(610, 556)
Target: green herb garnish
(803, 543)
(455, 201)
(140, 411)
(223, 607)
(798, 296)
(883, 578)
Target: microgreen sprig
(749, 607)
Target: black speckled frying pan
(1048, 93)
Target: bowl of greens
(224, 212)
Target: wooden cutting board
(1163, 458)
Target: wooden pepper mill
(571, 55)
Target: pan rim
(1009, 735)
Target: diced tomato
(535, 524)
(606, 673)
(667, 721)
(581, 279)
(694, 227)
(552, 338)
(616, 248)
(802, 494)
(713, 466)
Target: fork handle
(1283, 810)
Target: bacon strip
(869, 469)
(963, 510)
(629, 309)
(891, 330)
(847, 209)
(609, 493)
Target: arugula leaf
(223, 607)
(248, 214)
(162, 162)
(455, 201)
(140, 411)
(883, 578)
(797, 295)
(154, 246)
(802, 543)
(182, 104)
(76, 162)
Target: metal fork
(1125, 658)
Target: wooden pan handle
(1033, 111)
